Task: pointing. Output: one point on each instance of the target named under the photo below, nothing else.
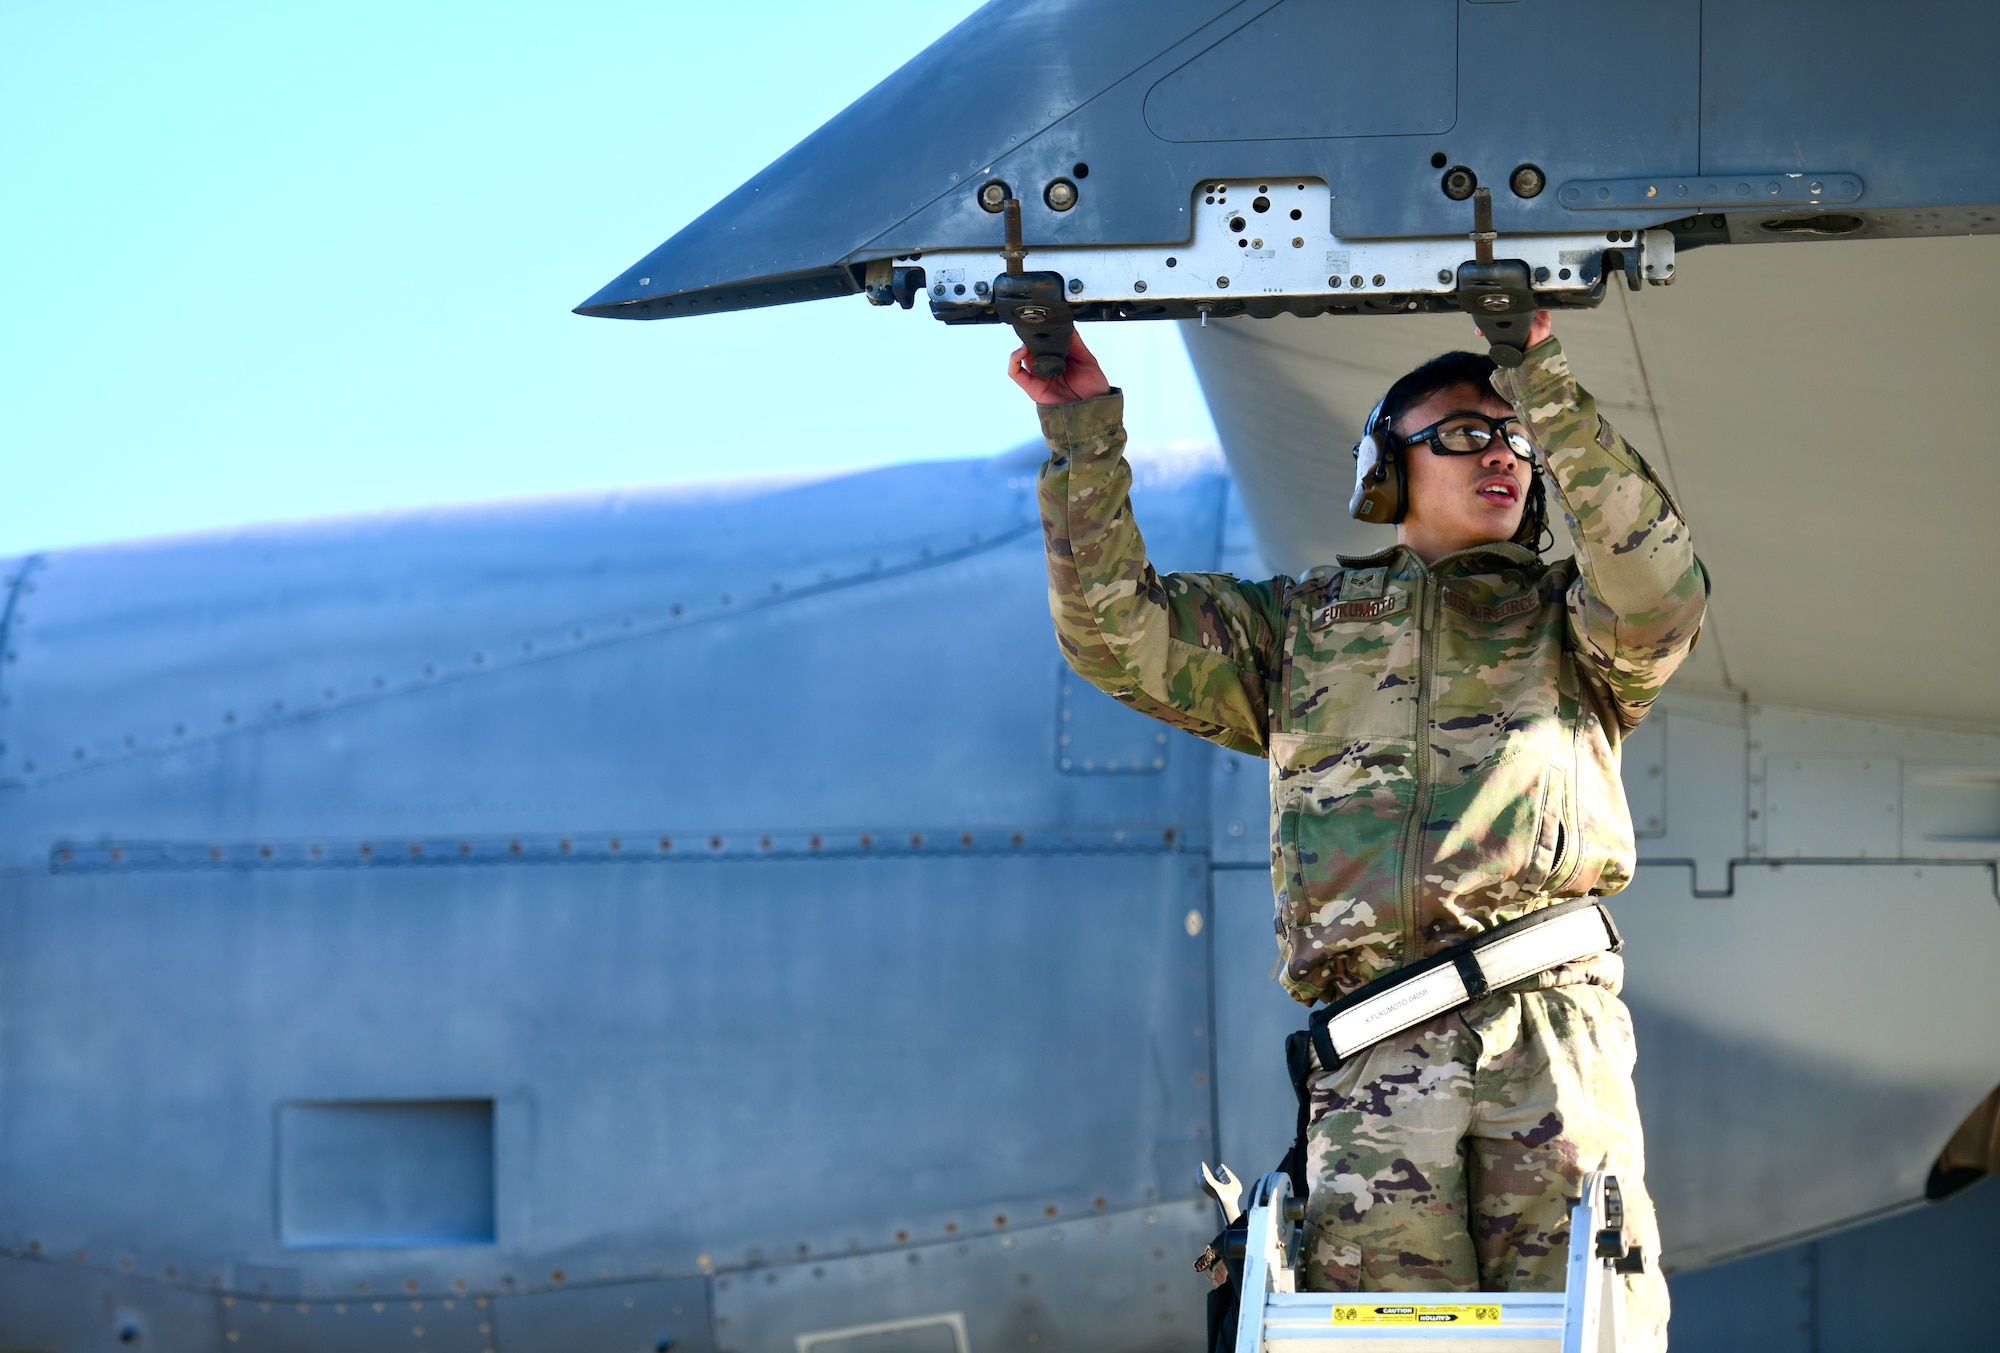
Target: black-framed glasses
(1471, 434)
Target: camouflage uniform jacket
(1443, 740)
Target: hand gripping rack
(1588, 1317)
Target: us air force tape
(1460, 975)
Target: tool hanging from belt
(1442, 984)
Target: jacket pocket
(1500, 837)
(1562, 831)
(1341, 808)
(1601, 820)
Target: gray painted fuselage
(811, 950)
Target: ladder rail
(1261, 1248)
(1276, 1317)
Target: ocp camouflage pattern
(1447, 1158)
(1443, 741)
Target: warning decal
(1426, 1314)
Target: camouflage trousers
(1447, 1158)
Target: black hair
(1439, 373)
(1476, 370)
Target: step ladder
(1587, 1317)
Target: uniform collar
(1503, 550)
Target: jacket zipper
(1420, 798)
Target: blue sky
(272, 261)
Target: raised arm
(1636, 607)
(1197, 650)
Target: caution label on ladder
(1426, 1314)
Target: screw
(1060, 195)
(993, 195)
(1528, 181)
(1459, 183)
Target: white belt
(1454, 979)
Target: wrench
(1227, 1191)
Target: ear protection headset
(1381, 495)
(1382, 490)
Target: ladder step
(1275, 1317)
(1490, 1322)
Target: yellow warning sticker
(1426, 1314)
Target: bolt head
(1060, 195)
(1528, 181)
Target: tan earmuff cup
(1378, 489)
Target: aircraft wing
(1185, 157)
